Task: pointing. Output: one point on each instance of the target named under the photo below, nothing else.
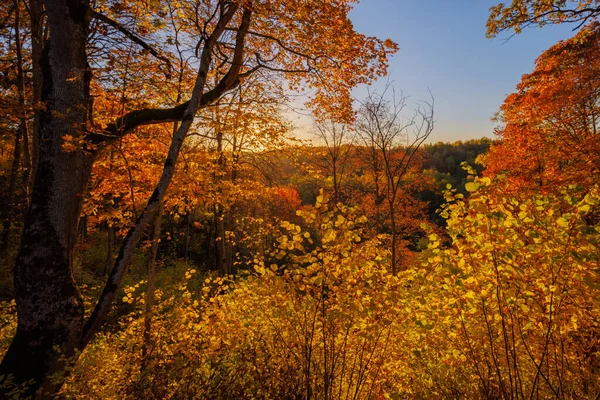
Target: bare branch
(134, 38)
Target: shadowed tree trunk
(37, 45)
(49, 306)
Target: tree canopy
(525, 13)
(550, 133)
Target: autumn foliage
(550, 133)
(504, 308)
(178, 242)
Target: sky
(443, 48)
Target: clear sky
(443, 47)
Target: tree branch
(150, 212)
(134, 38)
(150, 116)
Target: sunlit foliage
(509, 307)
(550, 133)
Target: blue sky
(443, 47)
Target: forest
(165, 233)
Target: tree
(306, 42)
(248, 123)
(392, 142)
(550, 134)
(524, 13)
(338, 149)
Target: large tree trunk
(49, 306)
(37, 45)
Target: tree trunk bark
(49, 306)
(37, 45)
